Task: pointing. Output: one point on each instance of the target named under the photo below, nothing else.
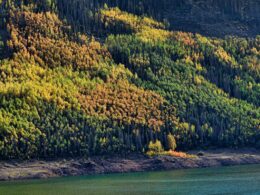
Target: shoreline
(43, 169)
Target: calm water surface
(224, 180)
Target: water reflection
(224, 180)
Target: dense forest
(94, 77)
(208, 17)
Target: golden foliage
(41, 37)
(124, 102)
(146, 28)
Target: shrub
(155, 148)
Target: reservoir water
(239, 180)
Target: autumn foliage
(134, 87)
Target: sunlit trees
(69, 97)
(143, 89)
(185, 70)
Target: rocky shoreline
(40, 169)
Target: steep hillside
(208, 17)
(64, 93)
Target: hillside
(217, 18)
(113, 82)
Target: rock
(97, 165)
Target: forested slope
(208, 17)
(113, 82)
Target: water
(237, 180)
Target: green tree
(171, 142)
(1, 46)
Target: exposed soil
(38, 169)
